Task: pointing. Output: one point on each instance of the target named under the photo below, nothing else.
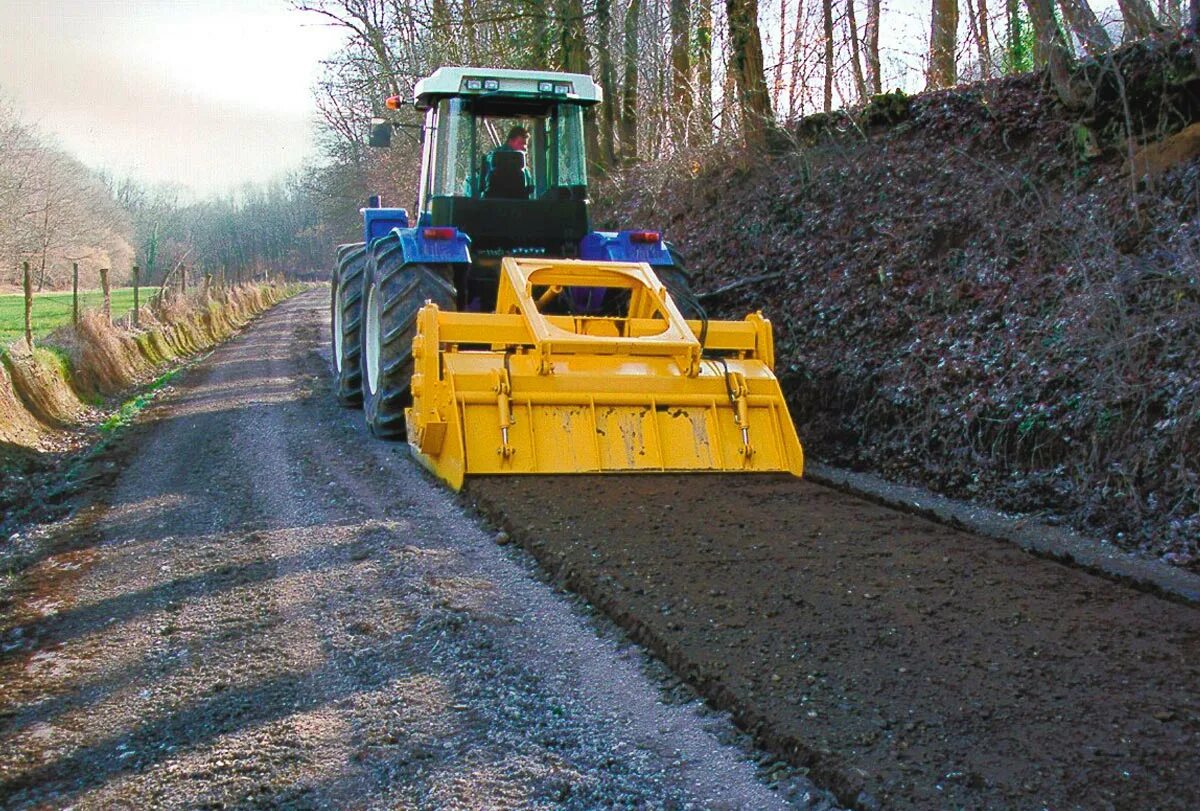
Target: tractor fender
(377, 222)
(623, 246)
(432, 246)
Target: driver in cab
(505, 173)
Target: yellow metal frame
(519, 391)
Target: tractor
(500, 334)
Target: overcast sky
(207, 93)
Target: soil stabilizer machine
(502, 335)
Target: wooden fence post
(27, 277)
(107, 294)
(182, 282)
(137, 272)
(75, 293)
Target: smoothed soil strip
(926, 666)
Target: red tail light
(438, 233)
(645, 237)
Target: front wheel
(395, 293)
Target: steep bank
(979, 290)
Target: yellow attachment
(523, 391)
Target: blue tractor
(484, 196)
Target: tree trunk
(795, 84)
(1014, 46)
(575, 59)
(978, 17)
(704, 107)
(629, 102)
(543, 34)
(827, 18)
(608, 109)
(943, 44)
(1194, 26)
(469, 36)
(680, 108)
(860, 83)
(1139, 19)
(747, 58)
(777, 81)
(1053, 48)
(874, 72)
(730, 108)
(1082, 21)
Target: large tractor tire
(678, 283)
(345, 315)
(394, 293)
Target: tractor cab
(530, 202)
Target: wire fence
(28, 315)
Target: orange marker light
(644, 237)
(394, 102)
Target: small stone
(502, 538)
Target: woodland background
(681, 78)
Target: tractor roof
(493, 82)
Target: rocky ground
(263, 607)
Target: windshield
(468, 138)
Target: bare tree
(746, 57)
(1139, 18)
(629, 103)
(871, 34)
(1052, 48)
(608, 109)
(1082, 21)
(681, 71)
(860, 83)
(827, 9)
(977, 19)
(704, 77)
(943, 45)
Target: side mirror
(381, 133)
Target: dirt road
(268, 609)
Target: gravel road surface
(267, 608)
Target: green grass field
(52, 310)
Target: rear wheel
(678, 283)
(345, 313)
(395, 292)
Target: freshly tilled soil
(267, 608)
(907, 664)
